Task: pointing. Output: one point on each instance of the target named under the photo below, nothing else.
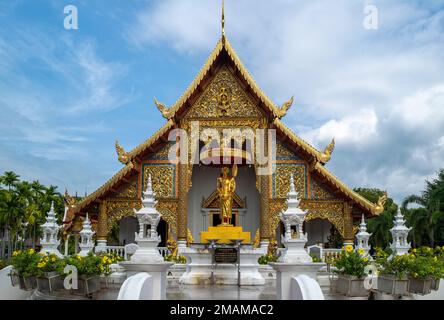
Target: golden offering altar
(224, 234)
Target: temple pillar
(265, 210)
(182, 205)
(102, 227)
(349, 237)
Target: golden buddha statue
(225, 232)
(226, 185)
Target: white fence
(120, 251)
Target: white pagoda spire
(147, 237)
(295, 238)
(86, 244)
(49, 240)
(363, 236)
(399, 232)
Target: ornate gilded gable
(320, 192)
(281, 179)
(163, 179)
(224, 97)
(162, 154)
(128, 190)
(283, 153)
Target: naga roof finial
(121, 154)
(325, 156)
(282, 111)
(380, 205)
(166, 112)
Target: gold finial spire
(223, 20)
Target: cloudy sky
(66, 95)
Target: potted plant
(350, 267)
(393, 272)
(48, 277)
(425, 270)
(107, 262)
(439, 274)
(24, 269)
(89, 269)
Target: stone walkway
(200, 292)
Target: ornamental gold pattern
(117, 210)
(281, 179)
(328, 210)
(276, 207)
(162, 177)
(128, 191)
(224, 97)
(168, 209)
(319, 192)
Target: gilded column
(182, 205)
(102, 227)
(349, 237)
(265, 210)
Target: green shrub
(351, 262)
(265, 259)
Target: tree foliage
(23, 208)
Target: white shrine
(49, 240)
(399, 245)
(362, 237)
(294, 238)
(147, 237)
(147, 257)
(86, 235)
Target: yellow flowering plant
(350, 262)
(106, 260)
(89, 265)
(25, 262)
(49, 263)
(426, 262)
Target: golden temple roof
(224, 44)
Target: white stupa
(50, 240)
(86, 243)
(362, 237)
(294, 238)
(399, 232)
(147, 237)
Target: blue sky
(67, 95)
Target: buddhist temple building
(223, 95)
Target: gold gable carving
(282, 180)
(162, 179)
(224, 97)
(128, 190)
(319, 192)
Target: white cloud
(424, 110)
(358, 129)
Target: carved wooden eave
(212, 201)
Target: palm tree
(431, 201)
(9, 179)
